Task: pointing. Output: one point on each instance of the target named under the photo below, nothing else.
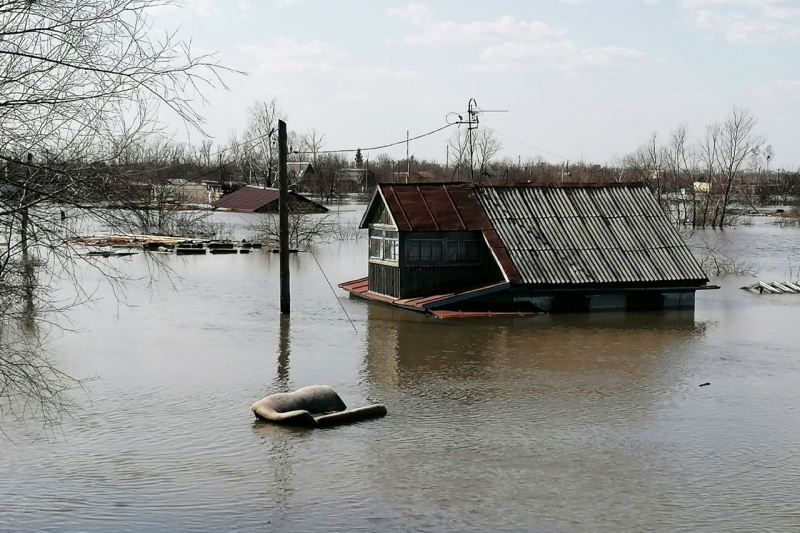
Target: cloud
(512, 44)
(413, 13)
(194, 8)
(285, 3)
(286, 55)
(562, 55)
(502, 29)
(746, 21)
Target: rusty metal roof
(558, 235)
(248, 199)
(251, 199)
(434, 207)
(441, 207)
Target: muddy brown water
(565, 423)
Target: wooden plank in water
(783, 287)
(769, 288)
(792, 285)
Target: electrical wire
(526, 144)
(334, 291)
(378, 147)
(256, 139)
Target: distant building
(453, 247)
(417, 176)
(252, 199)
(354, 179)
(300, 173)
(188, 192)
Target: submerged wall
(586, 302)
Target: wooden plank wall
(384, 279)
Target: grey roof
(583, 234)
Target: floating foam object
(315, 406)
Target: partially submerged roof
(439, 207)
(251, 199)
(552, 235)
(588, 235)
(433, 207)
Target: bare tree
(679, 163)
(312, 143)
(460, 153)
(472, 150)
(205, 152)
(261, 138)
(327, 174)
(738, 143)
(305, 228)
(486, 148)
(708, 155)
(82, 84)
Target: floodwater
(566, 423)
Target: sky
(581, 80)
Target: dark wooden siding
(384, 279)
(421, 280)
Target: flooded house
(255, 199)
(454, 249)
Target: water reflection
(566, 423)
(284, 348)
(586, 353)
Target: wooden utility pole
(283, 178)
(408, 160)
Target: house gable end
(377, 212)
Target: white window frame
(393, 241)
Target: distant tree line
(697, 180)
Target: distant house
(252, 199)
(458, 248)
(417, 176)
(300, 173)
(188, 192)
(354, 179)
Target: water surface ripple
(569, 423)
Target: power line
(404, 141)
(217, 153)
(256, 139)
(333, 291)
(526, 144)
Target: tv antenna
(473, 120)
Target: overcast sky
(582, 80)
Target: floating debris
(774, 287)
(109, 253)
(190, 251)
(163, 244)
(315, 406)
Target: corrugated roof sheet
(248, 199)
(560, 235)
